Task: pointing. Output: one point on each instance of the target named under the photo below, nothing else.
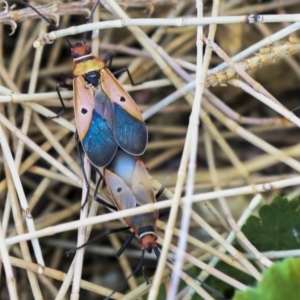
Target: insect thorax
(92, 78)
(89, 67)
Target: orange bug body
(129, 184)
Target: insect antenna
(90, 19)
(206, 286)
(126, 279)
(200, 282)
(295, 108)
(157, 254)
(51, 23)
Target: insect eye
(119, 190)
(122, 99)
(84, 111)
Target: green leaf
(279, 282)
(278, 227)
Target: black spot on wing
(130, 133)
(99, 143)
(84, 111)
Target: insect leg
(126, 243)
(145, 276)
(97, 238)
(108, 58)
(160, 192)
(157, 252)
(129, 75)
(58, 86)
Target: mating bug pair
(112, 132)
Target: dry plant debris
(244, 152)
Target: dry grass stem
(221, 145)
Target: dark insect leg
(157, 252)
(126, 243)
(166, 211)
(163, 212)
(96, 238)
(129, 75)
(99, 200)
(126, 280)
(83, 171)
(151, 269)
(65, 76)
(146, 277)
(108, 58)
(58, 86)
(160, 192)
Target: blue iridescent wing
(99, 143)
(129, 129)
(130, 133)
